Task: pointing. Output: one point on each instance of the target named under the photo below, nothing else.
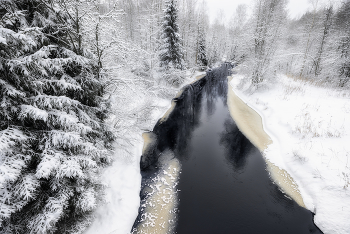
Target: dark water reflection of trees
(224, 186)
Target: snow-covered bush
(53, 141)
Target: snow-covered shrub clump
(53, 141)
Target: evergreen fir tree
(53, 140)
(202, 60)
(171, 55)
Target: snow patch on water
(159, 207)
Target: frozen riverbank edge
(251, 124)
(310, 130)
(123, 177)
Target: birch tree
(269, 19)
(327, 23)
(310, 31)
(238, 34)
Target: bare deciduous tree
(269, 18)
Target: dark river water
(223, 186)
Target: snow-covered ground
(123, 181)
(138, 113)
(310, 129)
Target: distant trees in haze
(326, 27)
(269, 18)
(342, 24)
(201, 49)
(320, 45)
(266, 41)
(314, 47)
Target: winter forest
(80, 80)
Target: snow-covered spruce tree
(171, 55)
(53, 140)
(201, 60)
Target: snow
(65, 139)
(310, 129)
(3, 40)
(87, 201)
(8, 138)
(33, 112)
(160, 204)
(48, 164)
(123, 181)
(123, 178)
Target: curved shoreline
(250, 123)
(159, 207)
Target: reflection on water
(223, 186)
(250, 123)
(236, 145)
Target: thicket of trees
(314, 47)
(268, 17)
(62, 62)
(267, 42)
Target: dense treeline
(63, 62)
(315, 46)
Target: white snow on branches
(49, 163)
(9, 137)
(87, 200)
(3, 40)
(70, 168)
(57, 102)
(64, 139)
(32, 112)
(27, 187)
(10, 90)
(53, 210)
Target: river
(202, 175)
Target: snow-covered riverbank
(310, 129)
(123, 178)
